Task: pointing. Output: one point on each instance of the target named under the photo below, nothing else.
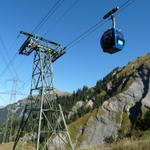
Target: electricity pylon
(48, 128)
(7, 137)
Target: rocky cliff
(129, 87)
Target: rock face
(120, 112)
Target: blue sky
(83, 64)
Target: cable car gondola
(112, 40)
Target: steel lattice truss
(42, 113)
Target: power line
(10, 59)
(8, 93)
(7, 137)
(9, 64)
(49, 14)
(4, 56)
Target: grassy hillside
(126, 144)
(21, 146)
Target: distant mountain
(18, 107)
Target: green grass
(126, 123)
(126, 144)
(75, 127)
(132, 66)
(20, 146)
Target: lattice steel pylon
(48, 128)
(7, 137)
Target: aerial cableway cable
(126, 4)
(77, 39)
(41, 23)
(63, 15)
(95, 27)
(49, 14)
(85, 34)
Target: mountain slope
(18, 107)
(116, 107)
(21, 146)
(117, 116)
